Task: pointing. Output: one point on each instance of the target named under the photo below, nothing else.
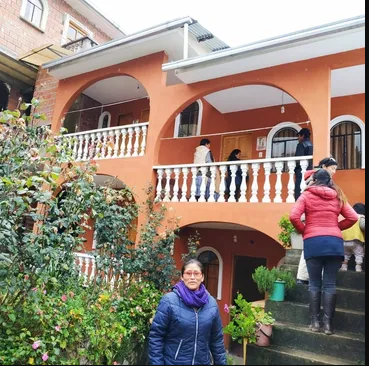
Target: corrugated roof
(206, 38)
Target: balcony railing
(181, 183)
(109, 143)
(81, 44)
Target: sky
(236, 22)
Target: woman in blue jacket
(187, 329)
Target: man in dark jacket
(303, 148)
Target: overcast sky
(236, 22)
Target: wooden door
(145, 115)
(237, 141)
(211, 278)
(125, 119)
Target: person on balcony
(322, 203)
(330, 165)
(203, 155)
(187, 328)
(235, 155)
(303, 148)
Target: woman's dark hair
(327, 162)
(304, 132)
(204, 142)
(359, 208)
(192, 261)
(233, 155)
(322, 178)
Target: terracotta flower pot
(263, 335)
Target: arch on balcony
(104, 120)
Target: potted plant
(288, 236)
(274, 282)
(247, 323)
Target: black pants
(298, 180)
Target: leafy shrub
(287, 229)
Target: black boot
(329, 307)
(315, 298)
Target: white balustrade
(199, 183)
(116, 142)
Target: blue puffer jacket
(179, 335)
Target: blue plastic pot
(278, 291)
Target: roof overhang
(315, 42)
(167, 37)
(96, 16)
(16, 72)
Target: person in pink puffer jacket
(322, 202)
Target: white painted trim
(67, 19)
(199, 120)
(276, 129)
(101, 119)
(45, 14)
(220, 260)
(360, 123)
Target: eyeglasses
(189, 274)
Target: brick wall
(20, 37)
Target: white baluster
(304, 164)
(87, 266)
(104, 144)
(168, 173)
(93, 269)
(267, 168)
(80, 264)
(137, 141)
(243, 188)
(232, 187)
(213, 171)
(177, 171)
(69, 141)
(255, 186)
(143, 142)
(193, 185)
(159, 188)
(278, 184)
(110, 144)
(223, 170)
(80, 147)
(98, 145)
(75, 147)
(184, 185)
(123, 143)
(129, 144)
(86, 147)
(204, 179)
(91, 149)
(291, 182)
(116, 145)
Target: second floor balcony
(80, 44)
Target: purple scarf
(193, 299)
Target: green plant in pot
(274, 282)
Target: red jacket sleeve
(295, 215)
(350, 215)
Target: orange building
(156, 93)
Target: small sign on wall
(261, 143)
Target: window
(213, 270)
(104, 120)
(346, 145)
(284, 143)
(35, 12)
(188, 122)
(74, 32)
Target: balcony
(80, 44)
(269, 182)
(109, 143)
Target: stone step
(290, 312)
(337, 345)
(346, 299)
(277, 355)
(350, 280)
(292, 259)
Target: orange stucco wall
(307, 81)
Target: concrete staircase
(294, 344)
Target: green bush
(287, 229)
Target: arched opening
(104, 120)
(4, 96)
(188, 122)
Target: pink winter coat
(322, 209)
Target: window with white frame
(35, 12)
(188, 122)
(213, 270)
(104, 120)
(74, 30)
(347, 142)
(284, 143)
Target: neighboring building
(155, 94)
(33, 32)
